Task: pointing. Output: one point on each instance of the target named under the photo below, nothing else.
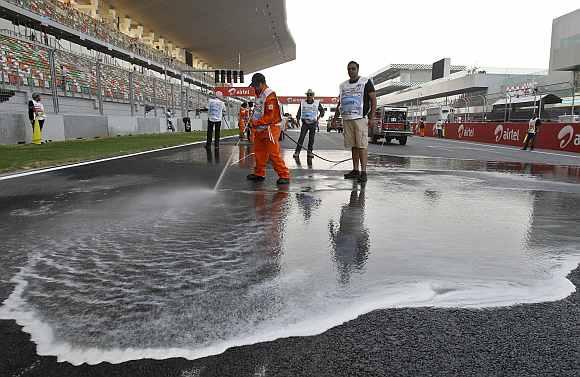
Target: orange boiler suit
(243, 118)
(266, 129)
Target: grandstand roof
(216, 31)
(392, 70)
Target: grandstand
(93, 59)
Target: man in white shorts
(357, 99)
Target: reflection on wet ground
(141, 258)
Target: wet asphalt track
(537, 339)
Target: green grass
(30, 156)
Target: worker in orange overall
(266, 128)
(243, 119)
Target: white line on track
(46, 170)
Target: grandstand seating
(65, 14)
(21, 62)
(26, 63)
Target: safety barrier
(557, 136)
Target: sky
(375, 33)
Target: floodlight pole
(573, 98)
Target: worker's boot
(255, 178)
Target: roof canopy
(546, 99)
(217, 31)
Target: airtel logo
(498, 132)
(566, 135)
(465, 131)
(232, 91)
(506, 135)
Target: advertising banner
(247, 91)
(557, 136)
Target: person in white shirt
(309, 113)
(169, 116)
(533, 128)
(36, 110)
(439, 127)
(215, 110)
(356, 102)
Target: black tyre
(388, 140)
(403, 140)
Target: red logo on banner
(236, 91)
(565, 136)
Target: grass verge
(30, 156)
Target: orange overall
(243, 121)
(266, 129)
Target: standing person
(215, 110)
(266, 128)
(309, 112)
(357, 100)
(243, 119)
(421, 128)
(533, 128)
(439, 128)
(168, 115)
(36, 113)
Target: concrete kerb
(62, 167)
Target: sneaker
(283, 181)
(363, 177)
(255, 178)
(352, 174)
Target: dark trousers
(439, 133)
(210, 130)
(530, 139)
(311, 130)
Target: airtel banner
(296, 100)
(558, 136)
(247, 91)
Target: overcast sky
(492, 33)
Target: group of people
(357, 105)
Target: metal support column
(53, 87)
(165, 89)
(573, 98)
(187, 107)
(131, 94)
(99, 87)
(154, 96)
(181, 96)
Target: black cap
(258, 78)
